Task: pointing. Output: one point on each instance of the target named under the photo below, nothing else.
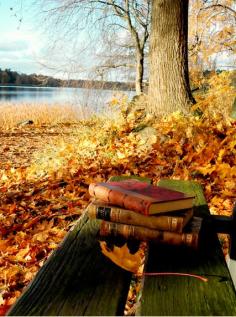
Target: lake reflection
(62, 95)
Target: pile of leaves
(42, 199)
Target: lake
(58, 95)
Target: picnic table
(79, 280)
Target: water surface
(59, 95)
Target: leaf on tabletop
(122, 257)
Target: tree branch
(220, 6)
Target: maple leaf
(122, 257)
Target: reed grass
(41, 114)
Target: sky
(26, 48)
(20, 43)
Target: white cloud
(8, 46)
(30, 40)
(20, 50)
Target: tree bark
(139, 73)
(169, 88)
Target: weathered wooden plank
(232, 268)
(76, 280)
(187, 296)
(233, 235)
(123, 177)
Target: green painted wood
(77, 279)
(187, 296)
(124, 177)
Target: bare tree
(132, 17)
(117, 54)
(169, 87)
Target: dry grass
(55, 127)
(13, 114)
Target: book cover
(141, 197)
(189, 237)
(175, 221)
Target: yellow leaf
(221, 154)
(208, 169)
(120, 155)
(41, 237)
(20, 256)
(216, 200)
(122, 257)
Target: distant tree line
(9, 77)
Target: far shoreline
(105, 86)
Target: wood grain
(76, 280)
(187, 296)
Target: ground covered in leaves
(45, 172)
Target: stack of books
(137, 210)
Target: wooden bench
(78, 280)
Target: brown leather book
(189, 237)
(175, 221)
(141, 197)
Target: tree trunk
(139, 73)
(169, 88)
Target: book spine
(119, 198)
(118, 215)
(146, 234)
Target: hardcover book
(175, 221)
(141, 197)
(190, 237)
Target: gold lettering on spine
(126, 231)
(169, 223)
(189, 238)
(118, 215)
(132, 231)
(174, 223)
(112, 215)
